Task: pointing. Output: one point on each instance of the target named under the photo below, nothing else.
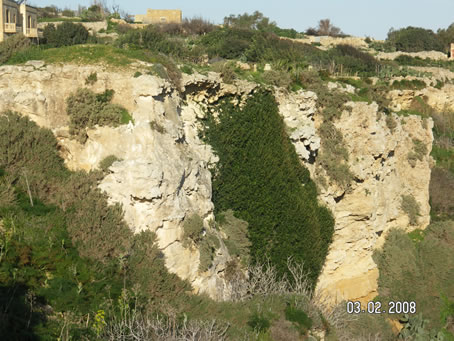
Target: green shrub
(277, 78)
(227, 43)
(414, 39)
(194, 232)
(165, 68)
(137, 74)
(152, 39)
(91, 79)
(159, 70)
(416, 235)
(192, 229)
(23, 146)
(92, 13)
(411, 207)
(207, 247)
(334, 155)
(421, 272)
(7, 195)
(65, 34)
(299, 317)
(227, 71)
(441, 191)
(260, 177)
(259, 323)
(86, 109)
(414, 84)
(235, 229)
(354, 60)
(148, 271)
(12, 45)
(107, 162)
(187, 69)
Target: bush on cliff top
(65, 34)
(259, 176)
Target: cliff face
(163, 174)
(364, 213)
(379, 159)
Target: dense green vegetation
(421, 269)
(260, 178)
(414, 39)
(65, 34)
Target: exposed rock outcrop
(439, 99)
(364, 213)
(163, 174)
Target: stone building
(160, 16)
(18, 17)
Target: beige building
(17, 17)
(160, 16)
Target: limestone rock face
(364, 213)
(298, 111)
(439, 99)
(162, 176)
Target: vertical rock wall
(364, 213)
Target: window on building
(14, 18)
(29, 21)
(7, 16)
(163, 19)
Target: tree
(446, 37)
(414, 39)
(67, 13)
(325, 28)
(96, 12)
(65, 34)
(254, 21)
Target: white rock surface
(161, 178)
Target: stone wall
(326, 41)
(435, 55)
(160, 16)
(92, 27)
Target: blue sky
(371, 18)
